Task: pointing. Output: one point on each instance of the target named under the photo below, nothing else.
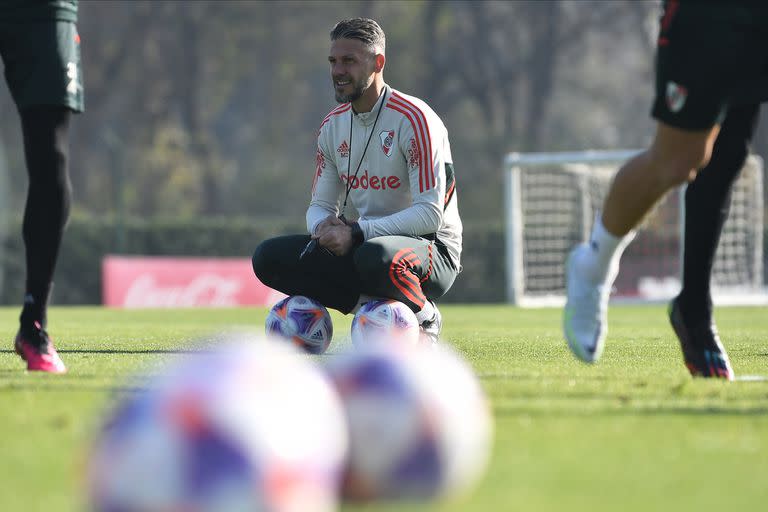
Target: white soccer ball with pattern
(384, 321)
(303, 321)
(419, 423)
(252, 426)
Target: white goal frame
(754, 293)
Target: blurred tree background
(210, 108)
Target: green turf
(633, 432)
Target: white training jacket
(405, 184)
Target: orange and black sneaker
(36, 348)
(703, 353)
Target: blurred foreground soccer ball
(302, 320)
(419, 423)
(251, 426)
(385, 321)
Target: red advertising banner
(160, 282)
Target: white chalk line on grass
(750, 378)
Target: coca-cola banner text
(160, 282)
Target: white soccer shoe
(585, 318)
(430, 329)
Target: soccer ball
(245, 426)
(303, 321)
(384, 321)
(419, 424)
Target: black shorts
(710, 55)
(42, 63)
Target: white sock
(606, 252)
(426, 313)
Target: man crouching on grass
(387, 154)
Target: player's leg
(673, 159)
(42, 62)
(707, 202)
(45, 216)
(592, 267)
(48, 204)
(331, 280)
(414, 271)
(691, 101)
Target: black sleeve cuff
(357, 233)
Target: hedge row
(88, 240)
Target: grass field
(633, 432)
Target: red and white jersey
(405, 184)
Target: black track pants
(408, 269)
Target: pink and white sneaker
(36, 348)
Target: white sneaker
(430, 329)
(585, 318)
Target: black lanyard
(362, 157)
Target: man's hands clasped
(334, 235)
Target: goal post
(550, 202)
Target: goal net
(550, 204)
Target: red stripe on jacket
(338, 110)
(419, 117)
(422, 160)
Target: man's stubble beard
(359, 88)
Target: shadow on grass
(75, 375)
(148, 351)
(69, 387)
(511, 376)
(704, 410)
(118, 351)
